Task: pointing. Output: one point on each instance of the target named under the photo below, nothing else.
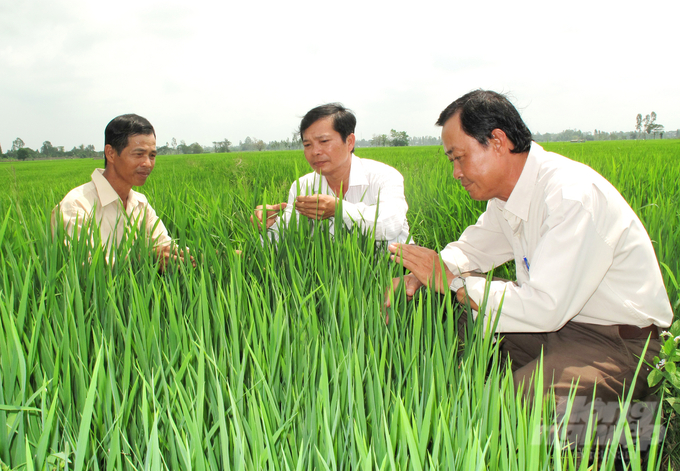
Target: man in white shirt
(372, 193)
(108, 199)
(589, 291)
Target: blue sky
(202, 71)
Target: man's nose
(457, 172)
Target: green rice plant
(279, 358)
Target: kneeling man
(372, 193)
(589, 291)
(117, 210)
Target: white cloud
(204, 70)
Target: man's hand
(411, 283)
(423, 263)
(316, 206)
(273, 211)
(166, 253)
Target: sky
(205, 70)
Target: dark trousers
(594, 355)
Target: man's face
(479, 169)
(324, 149)
(135, 163)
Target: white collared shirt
(581, 252)
(374, 199)
(98, 199)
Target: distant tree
(182, 148)
(278, 145)
(222, 146)
(249, 144)
(78, 151)
(164, 150)
(17, 144)
(47, 149)
(645, 123)
(23, 153)
(195, 148)
(296, 141)
(651, 126)
(260, 145)
(0, 150)
(638, 123)
(398, 138)
(84, 152)
(379, 140)
(425, 141)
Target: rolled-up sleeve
(156, 229)
(387, 215)
(73, 212)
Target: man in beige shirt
(118, 211)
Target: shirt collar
(520, 199)
(107, 194)
(357, 175)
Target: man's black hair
(482, 111)
(344, 121)
(122, 127)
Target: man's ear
(110, 153)
(500, 142)
(351, 140)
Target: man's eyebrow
(451, 150)
(317, 136)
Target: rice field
(280, 358)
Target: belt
(634, 332)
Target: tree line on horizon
(19, 151)
(645, 128)
(395, 138)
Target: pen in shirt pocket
(526, 263)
